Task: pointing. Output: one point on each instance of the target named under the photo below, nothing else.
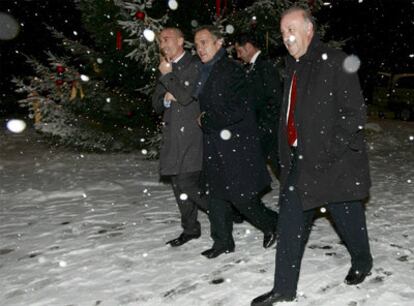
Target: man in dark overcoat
(181, 151)
(234, 165)
(322, 154)
(266, 91)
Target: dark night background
(378, 31)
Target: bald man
(181, 151)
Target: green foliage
(101, 19)
(105, 112)
(77, 113)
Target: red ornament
(59, 82)
(118, 40)
(140, 15)
(60, 69)
(218, 7)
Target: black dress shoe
(355, 277)
(183, 238)
(269, 239)
(213, 253)
(271, 297)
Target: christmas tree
(88, 98)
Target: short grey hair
(177, 31)
(307, 15)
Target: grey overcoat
(182, 139)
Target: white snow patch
(117, 234)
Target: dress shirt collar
(254, 57)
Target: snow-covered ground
(90, 229)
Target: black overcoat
(330, 115)
(234, 167)
(182, 140)
(266, 91)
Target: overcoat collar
(184, 61)
(310, 54)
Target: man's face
(243, 52)
(296, 33)
(171, 45)
(206, 45)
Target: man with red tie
(322, 154)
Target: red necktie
(291, 129)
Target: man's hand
(169, 97)
(164, 66)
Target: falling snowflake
(84, 77)
(225, 134)
(62, 263)
(41, 259)
(9, 27)
(324, 56)
(291, 39)
(16, 125)
(351, 63)
(194, 23)
(149, 35)
(172, 4)
(229, 29)
(323, 210)
(183, 196)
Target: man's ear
(181, 41)
(249, 48)
(309, 29)
(220, 41)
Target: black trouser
(294, 227)
(221, 219)
(186, 187)
(271, 162)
